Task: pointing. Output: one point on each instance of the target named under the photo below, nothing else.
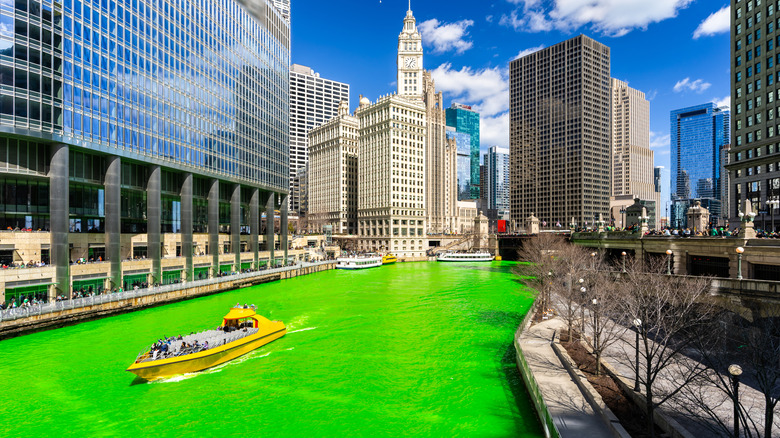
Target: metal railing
(57, 306)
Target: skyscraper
(632, 159)
(313, 101)
(463, 162)
(161, 152)
(698, 134)
(437, 183)
(754, 162)
(333, 162)
(560, 135)
(496, 184)
(465, 120)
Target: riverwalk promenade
(571, 413)
(14, 322)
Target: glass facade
(497, 184)
(201, 85)
(465, 120)
(462, 162)
(697, 135)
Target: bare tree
(541, 254)
(603, 321)
(672, 313)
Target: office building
(333, 165)
(660, 178)
(437, 183)
(632, 159)
(283, 6)
(560, 134)
(465, 120)
(698, 134)
(463, 162)
(391, 176)
(496, 183)
(754, 162)
(313, 101)
(153, 159)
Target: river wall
(550, 431)
(64, 317)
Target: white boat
(359, 262)
(465, 257)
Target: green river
(412, 349)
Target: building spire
(410, 5)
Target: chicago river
(412, 349)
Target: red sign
(501, 226)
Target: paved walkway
(571, 412)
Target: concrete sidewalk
(572, 414)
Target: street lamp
(735, 371)
(595, 303)
(593, 261)
(668, 262)
(582, 310)
(740, 250)
(624, 261)
(638, 325)
(623, 218)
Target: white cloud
(609, 17)
(660, 143)
(446, 36)
(526, 52)
(489, 18)
(494, 130)
(724, 102)
(698, 85)
(486, 89)
(717, 22)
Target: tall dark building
(754, 158)
(560, 135)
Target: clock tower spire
(410, 58)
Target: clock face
(411, 62)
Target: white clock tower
(410, 59)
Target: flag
(558, 224)
(544, 223)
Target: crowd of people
(22, 265)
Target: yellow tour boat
(242, 331)
(388, 259)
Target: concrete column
(186, 226)
(59, 219)
(214, 226)
(269, 229)
(113, 208)
(283, 226)
(254, 226)
(154, 222)
(235, 226)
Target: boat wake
(213, 370)
(302, 330)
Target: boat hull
(461, 259)
(358, 262)
(206, 359)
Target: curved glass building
(139, 139)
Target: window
(738, 61)
(750, 72)
(739, 76)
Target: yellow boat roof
(236, 313)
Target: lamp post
(595, 303)
(624, 261)
(740, 250)
(772, 205)
(623, 217)
(668, 262)
(582, 309)
(547, 294)
(593, 261)
(735, 371)
(638, 325)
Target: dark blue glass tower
(465, 120)
(697, 135)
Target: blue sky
(675, 51)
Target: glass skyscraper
(466, 120)
(697, 135)
(497, 182)
(141, 122)
(462, 162)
